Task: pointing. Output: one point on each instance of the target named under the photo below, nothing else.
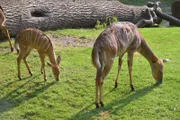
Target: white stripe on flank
(42, 42)
(34, 38)
(26, 35)
(47, 47)
(30, 37)
(47, 41)
(38, 46)
(35, 44)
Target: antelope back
(34, 38)
(119, 37)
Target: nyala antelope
(116, 40)
(3, 27)
(35, 39)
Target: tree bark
(169, 18)
(56, 14)
(175, 8)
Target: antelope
(3, 27)
(116, 40)
(30, 39)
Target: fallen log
(169, 18)
(154, 12)
(175, 8)
(56, 14)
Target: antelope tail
(16, 44)
(96, 58)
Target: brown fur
(35, 39)
(3, 27)
(116, 40)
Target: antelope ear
(154, 59)
(58, 60)
(50, 64)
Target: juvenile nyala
(30, 39)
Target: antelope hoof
(102, 104)
(19, 77)
(159, 82)
(116, 84)
(132, 87)
(97, 105)
(45, 79)
(12, 49)
(31, 73)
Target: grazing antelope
(35, 39)
(116, 40)
(3, 27)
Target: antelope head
(158, 69)
(56, 68)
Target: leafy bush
(109, 20)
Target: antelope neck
(146, 51)
(52, 57)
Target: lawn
(73, 96)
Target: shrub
(109, 20)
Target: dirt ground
(61, 41)
(70, 41)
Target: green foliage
(99, 25)
(108, 21)
(73, 96)
(111, 20)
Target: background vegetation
(73, 96)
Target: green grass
(73, 96)
(81, 33)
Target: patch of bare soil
(104, 114)
(71, 41)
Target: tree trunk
(175, 8)
(169, 18)
(56, 14)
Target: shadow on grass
(21, 93)
(113, 107)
